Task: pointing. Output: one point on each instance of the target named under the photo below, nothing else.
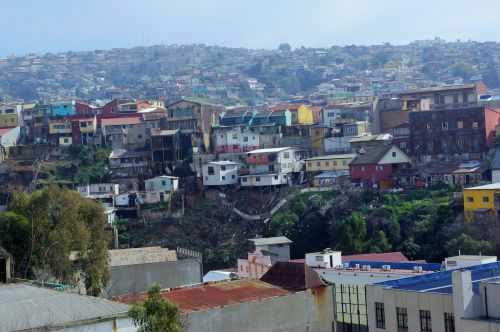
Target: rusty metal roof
(213, 295)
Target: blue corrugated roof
(432, 267)
(440, 282)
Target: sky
(39, 26)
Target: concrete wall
(436, 303)
(118, 325)
(311, 311)
(139, 277)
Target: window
(455, 99)
(257, 179)
(486, 199)
(276, 177)
(245, 139)
(163, 183)
(327, 163)
(223, 168)
(444, 125)
(393, 154)
(233, 176)
(271, 168)
(286, 155)
(244, 179)
(460, 142)
(309, 164)
(470, 199)
(211, 170)
(402, 319)
(235, 136)
(319, 258)
(460, 124)
(318, 164)
(344, 163)
(139, 136)
(380, 315)
(449, 322)
(425, 321)
(475, 125)
(223, 178)
(429, 126)
(334, 163)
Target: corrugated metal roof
(25, 307)
(208, 296)
(120, 121)
(396, 256)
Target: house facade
(376, 166)
(270, 167)
(220, 173)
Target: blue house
(61, 109)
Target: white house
(99, 190)
(220, 173)
(163, 183)
(270, 167)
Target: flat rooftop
(492, 186)
(440, 282)
(265, 241)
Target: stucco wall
(139, 277)
(311, 310)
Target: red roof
(213, 295)
(120, 121)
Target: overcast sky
(61, 25)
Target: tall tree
(61, 222)
(156, 314)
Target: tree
(285, 47)
(465, 244)
(352, 235)
(61, 222)
(156, 314)
(379, 243)
(14, 230)
(283, 224)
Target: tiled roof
(121, 121)
(214, 295)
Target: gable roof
(292, 276)
(372, 155)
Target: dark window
(455, 99)
(380, 315)
(223, 168)
(223, 178)
(257, 179)
(402, 319)
(211, 170)
(425, 321)
(449, 322)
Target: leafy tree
(352, 235)
(14, 230)
(284, 223)
(156, 314)
(380, 243)
(62, 222)
(468, 245)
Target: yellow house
(59, 127)
(8, 117)
(480, 200)
(305, 115)
(335, 162)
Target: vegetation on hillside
(424, 224)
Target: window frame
(425, 320)
(449, 322)
(379, 315)
(401, 319)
